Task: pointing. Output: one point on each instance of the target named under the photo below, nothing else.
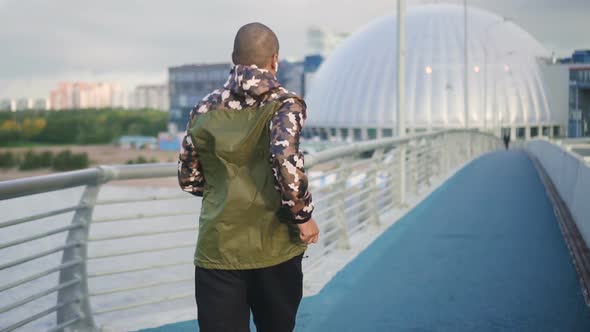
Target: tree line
(64, 160)
(86, 126)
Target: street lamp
(485, 53)
(507, 72)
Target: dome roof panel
(357, 85)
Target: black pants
(225, 297)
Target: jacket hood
(250, 81)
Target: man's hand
(309, 231)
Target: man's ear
(274, 62)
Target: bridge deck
(483, 253)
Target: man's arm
(287, 159)
(190, 172)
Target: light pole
(485, 77)
(401, 85)
(466, 92)
(401, 67)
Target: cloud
(45, 40)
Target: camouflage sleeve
(190, 172)
(287, 159)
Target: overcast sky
(134, 41)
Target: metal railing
(352, 186)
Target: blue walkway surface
(482, 253)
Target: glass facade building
(188, 85)
(579, 101)
(290, 75)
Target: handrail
(47, 183)
(352, 183)
(40, 275)
(106, 173)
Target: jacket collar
(250, 81)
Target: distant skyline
(134, 42)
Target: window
(358, 136)
(344, 133)
(183, 101)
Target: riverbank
(98, 155)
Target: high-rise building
(62, 97)
(188, 85)
(150, 96)
(8, 105)
(24, 104)
(81, 95)
(41, 104)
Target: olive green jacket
(243, 224)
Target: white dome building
(354, 91)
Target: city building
(320, 44)
(353, 95)
(578, 57)
(41, 104)
(581, 56)
(323, 42)
(311, 64)
(82, 95)
(62, 97)
(290, 75)
(170, 142)
(153, 96)
(24, 104)
(137, 142)
(7, 105)
(579, 100)
(188, 84)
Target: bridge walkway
(483, 253)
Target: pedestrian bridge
(440, 231)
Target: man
(241, 154)
(506, 140)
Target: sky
(135, 41)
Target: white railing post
(446, 153)
(414, 166)
(79, 310)
(377, 158)
(430, 159)
(341, 187)
(401, 154)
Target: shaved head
(255, 44)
